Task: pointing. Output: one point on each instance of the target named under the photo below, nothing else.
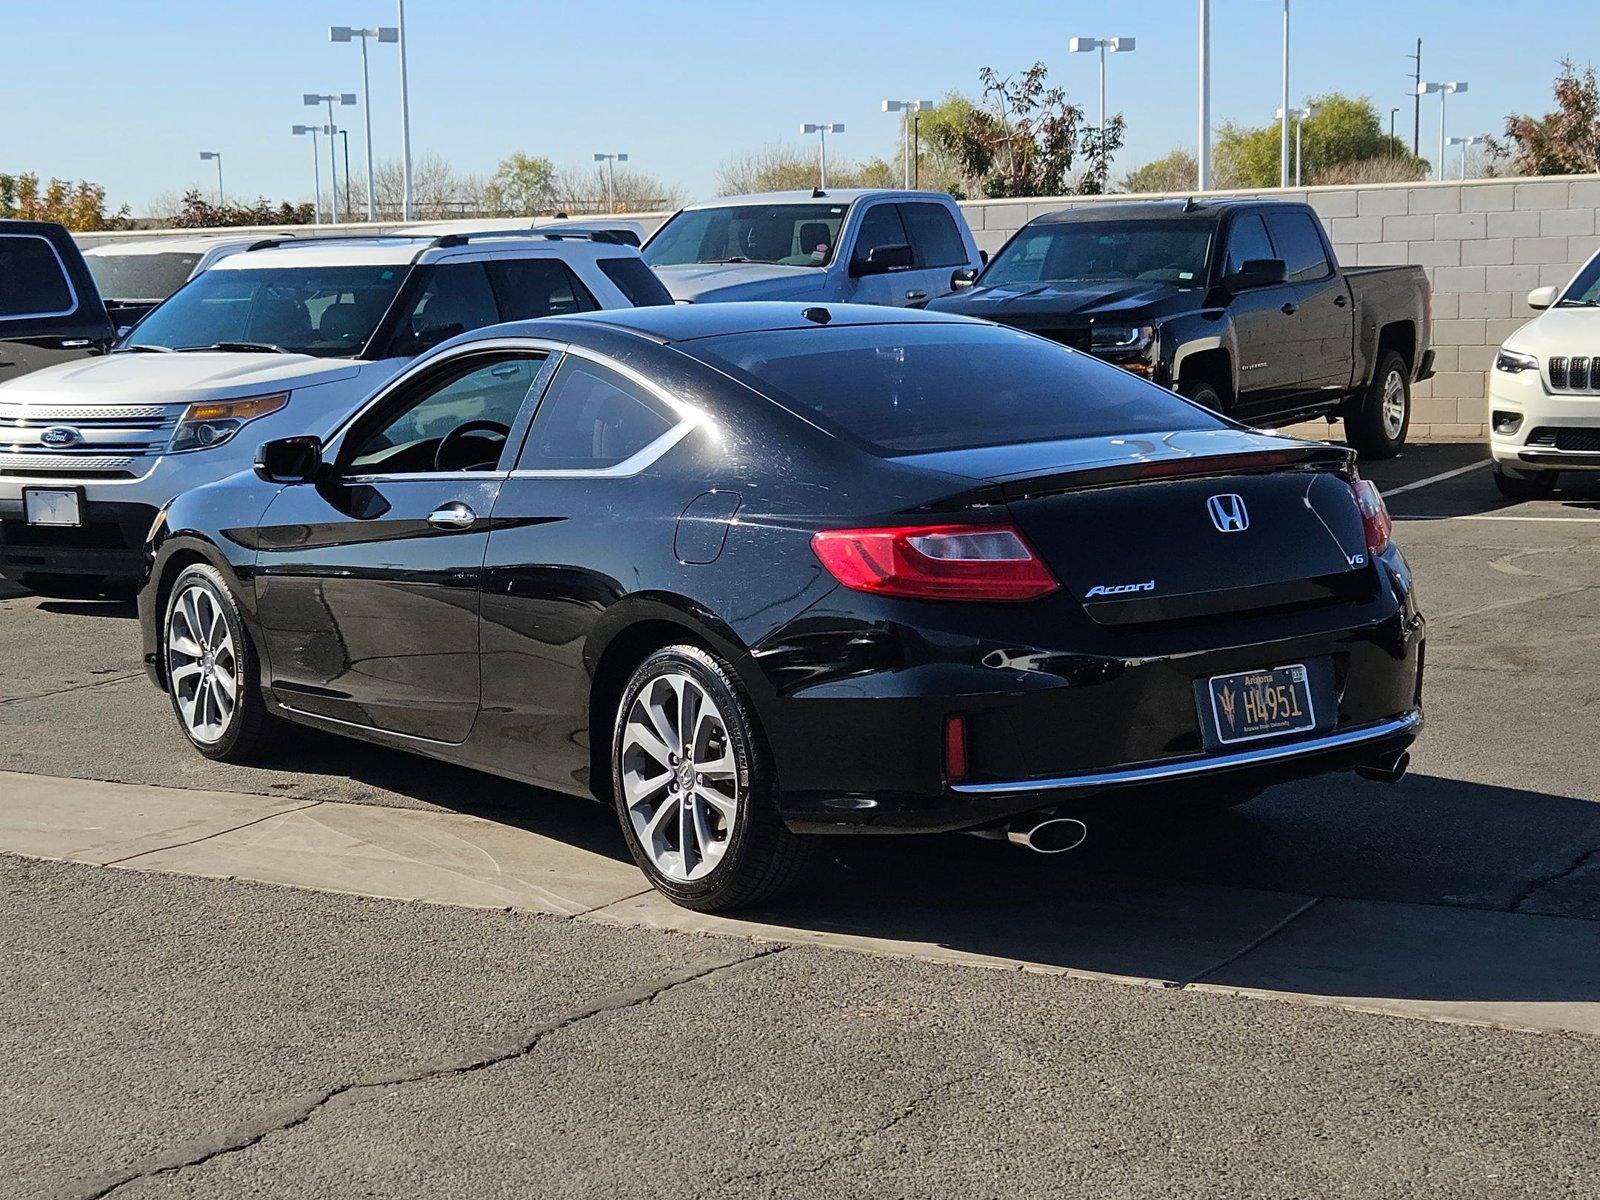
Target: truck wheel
(1377, 425)
(212, 675)
(1535, 485)
(1202, 393)
(694, 782)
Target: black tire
(1536, 485)
(1202, 392)
(1370, 426)
(761, 858)
(251, 730)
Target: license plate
(52, 506)
(1258, 704)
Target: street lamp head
(311, 100)
(347, 98)
(822, 127)
(340, 33)
(208, 155)
(388, 33)
(1082, 45)
(622, 158)
(299, 129)
(1457, 86)
(1118, 45)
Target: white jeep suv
(1544, 390)
(284, 338)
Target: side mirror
(290, 459)
(963, 278)
(983, 257)
(881, 260)
(1543, 297)
(1256, 273)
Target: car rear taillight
(1375, 517)
(936, 562)
(955, 748)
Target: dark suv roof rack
(610, 237)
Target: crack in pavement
(216, 833)
(76, 687)
(1591, 855)
(1251, 947)
(297, 1110)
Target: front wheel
(694, 786)
(1376, 427)
(211, 669)
(1202, 393)
(1535, 485)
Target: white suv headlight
(213, 422)
(1514, 363)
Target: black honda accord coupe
(751, 572)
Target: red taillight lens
(936, 562)
(1375, 517)
(955, 748)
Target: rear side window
(1299, 245)
(456, 298)
(636, 281)
(880, 227)
(140, 276)
(537, 287)
(32, 280)
(934, 235)
(914, 389)
(1247, 241)
(590, 419)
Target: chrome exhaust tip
(1054, 835)
(1390, 771)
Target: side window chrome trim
(66, 278)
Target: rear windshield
(1149, 251)
(792, 235)
(326, 311)
(913, 389)
(140, 276)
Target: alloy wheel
(202, 664)
(1394, 404)
(679, 778)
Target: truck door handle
(1341, 300)
(914, 294)
(455, 515)
(1290, 308)
(73, 343)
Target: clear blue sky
(126, 92)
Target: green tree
(522, 186)
(1343, 131)
(80, 206)
(1564, 142)
(1175, 171)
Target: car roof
(686, 322)
(1191, 209)
(198, 244)
(831, 196)
(398, 249)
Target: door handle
(452, 516)
(505, 370)
(1341, 300)
(914, 294)
(73, 343)
(1290, 308)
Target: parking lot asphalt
(1498, 818)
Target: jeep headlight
(1514, 363)
(212, 422)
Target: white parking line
(1439, 478)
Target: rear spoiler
(1313, 456)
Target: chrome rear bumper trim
(1345, 739)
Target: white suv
(1544, 390)
(284, 338)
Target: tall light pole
(316, 173)
(1083, 45)
(384, 34)
(1444, 90)
(1299, 115)
(405, 117)
(611, 161)
(1465, 143)
(207, 156)
(1202, 158)
(908, 139)
(1283, 107)
(313, 99)
(822, 129)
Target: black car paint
(367, 619)
(30, 343)
(1292, 350)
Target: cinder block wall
(1485, 244)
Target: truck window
(1299, 245)
(934, 235)
(880, 227)
(1152, 250)
(1247, 241)
(537, 287)
(33, 283)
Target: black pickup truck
(50, 309)
(1240, 305)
